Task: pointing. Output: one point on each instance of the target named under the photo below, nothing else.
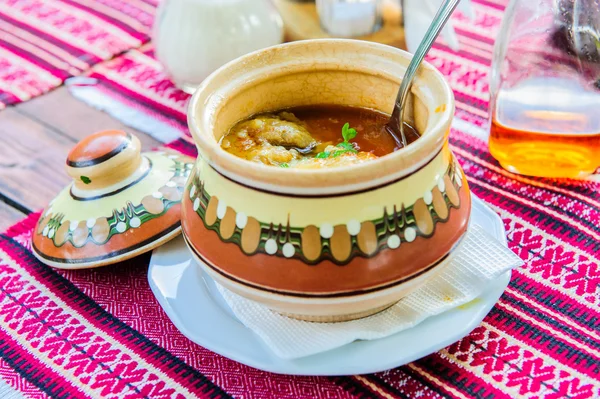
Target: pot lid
(120, 204)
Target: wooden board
(33, 159)
(301, 22)
(60, 110)
(9, 216)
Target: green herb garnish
(345, 146)
(348, 133)
(284, 165)
(85, 179)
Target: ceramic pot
(330, 244)
(192, 38)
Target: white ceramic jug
(192, 38)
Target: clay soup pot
(331, 244)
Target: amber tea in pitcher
(545, 105)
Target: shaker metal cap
(120, 204)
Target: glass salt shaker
(545, 88)
(350, 18)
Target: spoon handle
(440, 19)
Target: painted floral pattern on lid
(121, 203)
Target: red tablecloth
(101, 333)
(43, 42)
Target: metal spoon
(396, 125)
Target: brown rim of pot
(289, 58)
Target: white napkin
(479, 259)
(418, 15)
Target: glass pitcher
(545, 88)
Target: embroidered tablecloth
(43, 42)
(101, 333)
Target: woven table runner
(101, 333)
(43, 42)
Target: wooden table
(36, 137)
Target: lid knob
(104, 160)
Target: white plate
(191, 300)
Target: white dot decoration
(428, 198)
(157, 194)
(45, 231)
(90, 223)
(170, 184)
(241, 220)
(441, 185)
(326, 230)
(410, 234)
(196, 204)
(135, 222)
(192, 191)
(121, 227)
(353, 227)
(271, 246)
(288, 250)
(73, 225)
(393, 241)
(221, 209)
